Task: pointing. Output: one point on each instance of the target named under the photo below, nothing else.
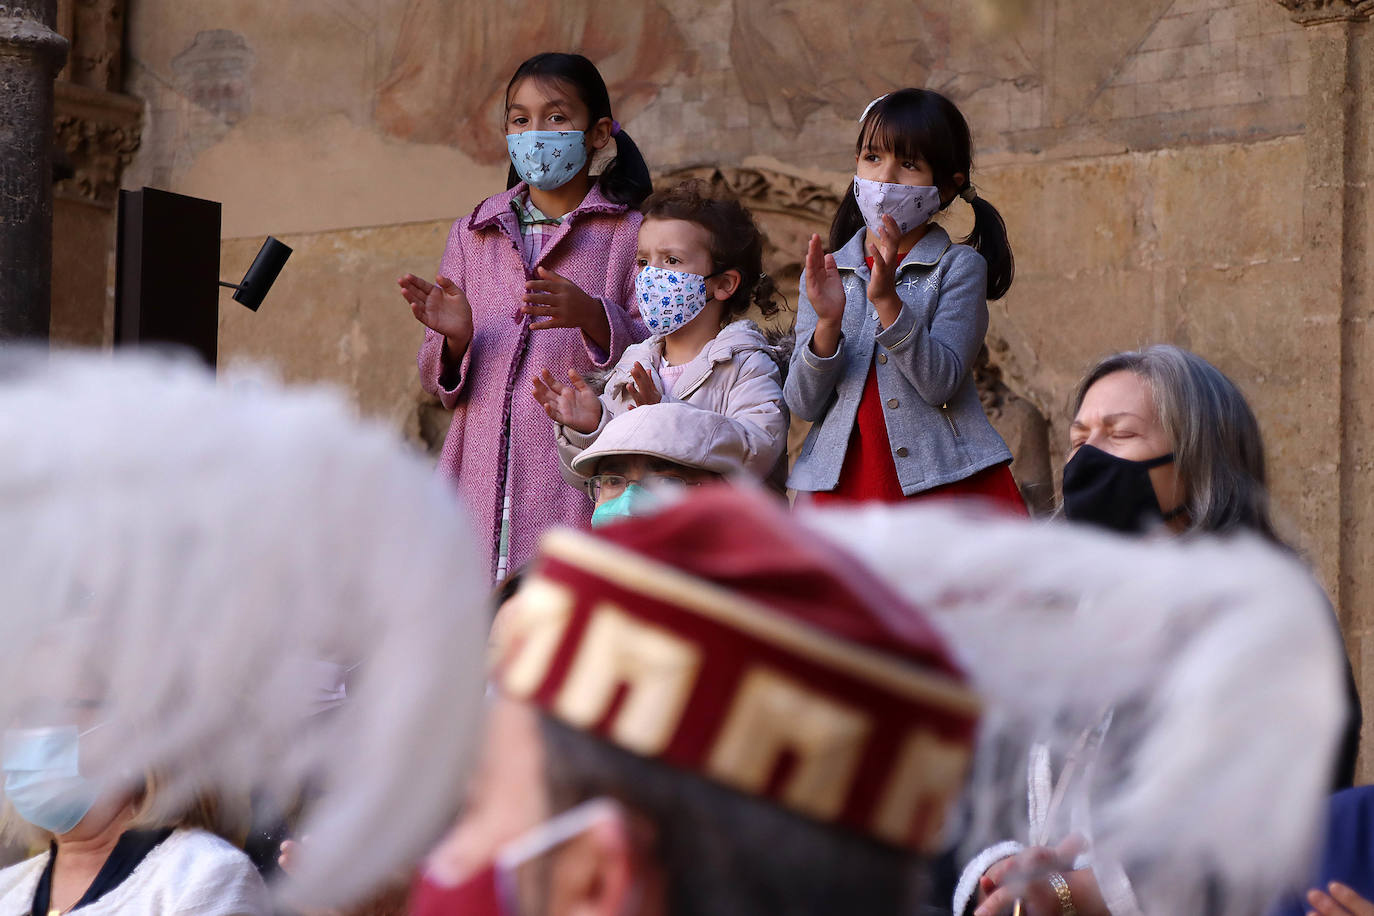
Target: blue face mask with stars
(547, 159)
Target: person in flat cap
(695, 718)
(653, 450)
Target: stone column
(1337, 267)
(31, 53)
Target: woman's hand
(1024, 877)
(882, 280)
(641, 387)
(558, 302)
(440, 306)
(574, 405)
(825, 290)
(1338, 900)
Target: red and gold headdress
(720, 637)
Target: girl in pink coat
(539, 276)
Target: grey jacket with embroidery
(737, 375)
(936, 427)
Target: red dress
(870, 475)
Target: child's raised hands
(823, 285)
(641, 387)
(882, 280)
(574, 405)
(825, 290)
(440, 306)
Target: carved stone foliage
(97, 128)
(98, 132)
(765, 190)
(1311, 12)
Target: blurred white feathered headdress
(207, 557)
(1220, 659)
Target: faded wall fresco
(452, 62)
(304, 115)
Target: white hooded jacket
(736, 375)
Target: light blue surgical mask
(43, 777)
(547, 159)
(634, 501)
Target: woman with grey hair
(1162, 442)
(1161, 438)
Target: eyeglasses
(609, 486)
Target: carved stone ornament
(99, 132)
(1312, 12)
(766, 190)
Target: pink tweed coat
(594, 248)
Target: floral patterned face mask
(547, 159)
(668, 299)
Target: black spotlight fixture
(261, 274)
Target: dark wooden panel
(167, 271)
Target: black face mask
(1102, 489)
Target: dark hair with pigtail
(921, 124)
(625, 179)
(736, 243)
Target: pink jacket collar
(496, 209)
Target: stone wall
(1191, 171)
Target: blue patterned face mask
(43, 779)
(668, 299)
(547, 159)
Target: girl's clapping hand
(440, 306)
(882, 281)
(574, 405)
(641, 387)
(557, 302)
(823, 285)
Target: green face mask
(634, 501)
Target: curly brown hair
(736, 242)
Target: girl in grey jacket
(888, 327)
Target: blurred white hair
(195, 549)
(1220, 657)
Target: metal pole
(31, 54)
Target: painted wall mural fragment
(452, 62)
